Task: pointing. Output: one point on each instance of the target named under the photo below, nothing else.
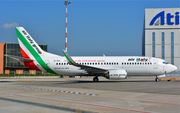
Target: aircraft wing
(20, 59)
(89, 69)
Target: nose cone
(170, 68)
(174, 68)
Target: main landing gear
(157, 79)
(95, 79)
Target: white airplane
(111, 67)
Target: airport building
(11, 66)
(161, 36)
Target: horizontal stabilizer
(20, 59)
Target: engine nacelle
(116, 74)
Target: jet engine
(116, 74)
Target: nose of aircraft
(174, 68)
(170, 68)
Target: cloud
(9, 26)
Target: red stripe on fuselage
(28, 64)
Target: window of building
(172, 47)
(153, 44)
(26, 71)
(12, 71)
(38, 72)
(163, 45)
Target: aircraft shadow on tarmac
(42, 105)
(81, 81)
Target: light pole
(66, 3)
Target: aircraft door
(155, 64)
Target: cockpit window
(165, 62)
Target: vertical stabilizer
(31, 50)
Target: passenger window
(117, 63)
(92, 63)
(56, 63)
(109, 63)
(114, 63)
(64, 63)
(127, 63)
(95, 63)
(137, 63)
(140, 63)
(104, 63)
(122, 63)
(61, 63)
(101, 63)
(132, 63)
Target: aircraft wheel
(157, 79)
(95, 79)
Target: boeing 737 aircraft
(111, 67)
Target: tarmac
(82, 95)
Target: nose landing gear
(157, 79)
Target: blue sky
(95, 27)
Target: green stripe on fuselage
(33, 52)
